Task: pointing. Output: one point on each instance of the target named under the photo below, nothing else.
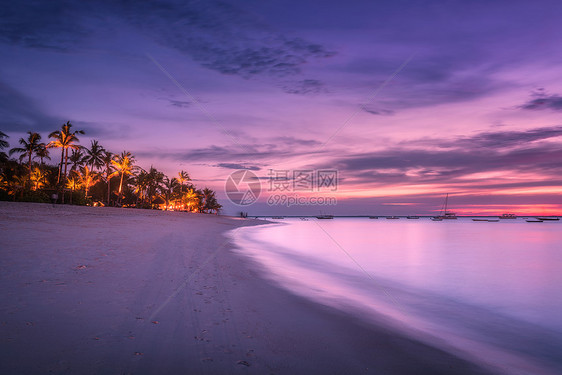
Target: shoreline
(144, 291)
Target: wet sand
(124, 291)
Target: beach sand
(124, 291)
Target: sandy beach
(124, 291)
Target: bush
(4, 196)
(36, 196)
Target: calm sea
(489, 291)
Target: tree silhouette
(77, 159)
(64, 139)
(107, 161)
(183, 177)
(42, 153)
(29, 147)
(3, 144)
(87, 178)
(123, 165)
(169, 187)
(94, 155)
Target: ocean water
(488, 291)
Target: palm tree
(87, 178)
(123, 165)
(155, 180)
(182, 178)
(213, 205)
(149, 184)
(3, 144)
(94, 155)
(16, 185)
(39, 178)
(191, 199)
(30, 146)
(65, 139)
(141, 182)
(107, 158)
(77, 159)
(42, 153)
(169, 187)
(207, 196)
(72, 183)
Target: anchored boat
(508, 216)
(445, 215)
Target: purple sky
(408, 100)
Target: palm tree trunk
(60, 165)
(65, 152)
(108, 188)
(29, 169)
(120, 186)
(65, 163)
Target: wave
(477, 333)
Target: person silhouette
(54, 198)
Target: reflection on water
(492, 290)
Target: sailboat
(445, 215)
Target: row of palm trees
(93, 175)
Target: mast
(446, 199)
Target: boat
(392, 217)
(412, 217)
(479, 219)
(325, 216)
(548, 218)
(373, 217)
(533, 221)
(450, 216)
(277, 217)
(437, 218)
(446, 215)
(508, 216)
(492, 220)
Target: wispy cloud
(238, 166)
(502, 139)
(541, 100)
(20, 113)
(240, 155)
(219, 36)
(42, 24)
(305, 86)
(519, 153)
(378, 112)
(223, 37)
(180, 103)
